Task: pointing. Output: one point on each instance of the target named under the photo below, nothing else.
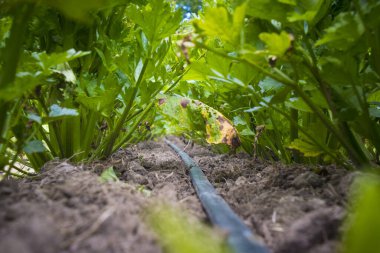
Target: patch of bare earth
(68, 209)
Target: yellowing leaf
(193, 115)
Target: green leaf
(243, 74)
(66, 71)
(371, 14)
(281, 95)
(35, 69)
(307, 148)
(253, 109)
(238, 20)
(156, 19)
(218, 65)
(219, 23)
(109, 175)
(198, 72)
(364, 224)
(374, 97)
(277, 44)
(46, 61)
(269, 9)
(298, 104)
(79, 10)
(34, 117)
(345, 31)
(375, 112)
(269, 84)
(34, 146)
(247, 132)
(239, 121)
(100, 103)
(290, 2)
(313, 11)
(25, 83)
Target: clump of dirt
(67, 208)
(295, 209)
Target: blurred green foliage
(178, 233)
(78, 79)
(305, 71)
(363, 225)
(277, 70)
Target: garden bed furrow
(68, 209)
(240, 238)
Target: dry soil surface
(292, 209)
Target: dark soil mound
(68, 209)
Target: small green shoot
(109, 175)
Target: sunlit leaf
(156, 19)
(219, 23)
(306, 148)
(277, 44)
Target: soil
(292, 209)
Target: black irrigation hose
(240, 237)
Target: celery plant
(314, 64)
(87, 76)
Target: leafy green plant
(79, 80)
(78, 83)
(283, 64)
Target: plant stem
(145, 112)
(119, 125)
(10, 59)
